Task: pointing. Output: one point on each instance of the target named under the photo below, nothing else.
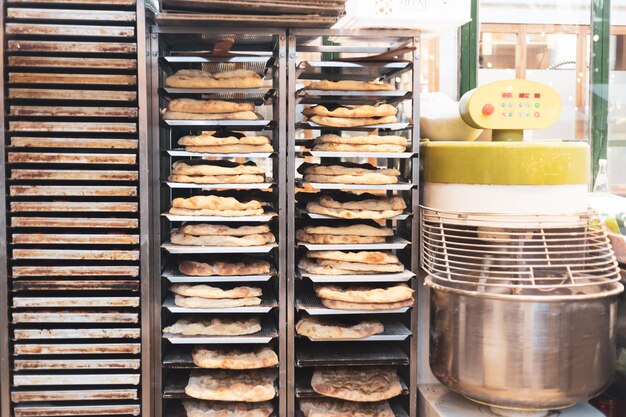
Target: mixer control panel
(511, 104)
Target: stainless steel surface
(523, 354)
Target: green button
(536, 104)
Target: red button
(488, 109)
(537, 114)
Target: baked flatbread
(203, 79)
(324, 407)
(350, 85)
(331, 239)
(222, 230)
(367, 257)
(350, 230)
(241, 115)
(309, 265)
(205, 167)
(364, 294)
(215, 202)
(208, 139)
(357, 384)
(358, 267)
(210, 212)
(218, 179)
(344, 305)
(222, 326)
(339, 147)
(350, 201)
(195, 408)
(231, 149)
(229, 241)
(188, 105)
(346, 168)
(213, 358)
(199, 302)
(206, 291)
(238, 73)
(361, 140)
(316, 208)
(372, 178)
(352, 122)
(365, 111)
(246, 266)
(322, 329)
(252, 386)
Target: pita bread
(352, 201)
(373, 178)
(210, 212)
(364, 294)
(312, 267)
(346, 168)
(215, 202)
(227, 241)
(188, 105)
(203, 79)
(208, 139)
(238, 73)
(338, 147)
(222, 326)
(322, 329)
(195, 408)
(251, 386)
(241, 115)
(350, 230)
(231, 149)
(363, 384)
(367, 257)
(199, 302)
(214, 358)
(352, 122)
(357, 267)
(330, 239)
(205, 167)
(206, 291)
(365, 111)
(324, 407)
(350, 85)
(203, 229)
(344, 305)
(218, 179)
(246, 266)
(352, 214)
(361, 140)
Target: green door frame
(468, 52)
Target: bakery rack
(318, 55)
(174, 47)
(74, 276)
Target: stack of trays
(220, 229)
(353, 185)
(73, 208)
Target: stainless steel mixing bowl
(523, 352)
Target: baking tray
(86, 239)
(398, 277)
(70, 62)
(362, 71)
(69, 111)
(31, 29)
(79, 379)
(269, 215)
(47, 364)
(304, 390)
(73, 190)
(268, 302)
(395, 243)
(397, 408)
(347, 355)
(173, 275)
(69, 79)
(259, 96)
(177, 381)
(75, 285)
(76, 349)
(76, 410)
(74, 395)
(72, 206)
(303, 212)
(179, 357)
(401, 185)
(306, 96)
(182, 152)
(76, 127)
(218, 124)
(385, 126)
(313, 306)
(75, 254)
(64, 14)
(73, 222)
(254, 7)
(71, 158)
(180, 249)
(74, 316)
(80, 143)
(74, 271)
(81, 95)
(395, 331)
(267, 333)
(229, 21)
(254, 186)
(71, 47)
(326, 154)
(57, 348)
(87, 333)
(39, 302)
(98, 2)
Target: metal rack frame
(297, 37)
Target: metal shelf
(267, 333)
(304, 390)
(326, 154)
(217, 124)
(268, 302)
(180, 249)
(385, 126)
(395, 331)
(182, 152)
(395, 243)
(268, 216)
(254, 186)
(178, 357)
(326, 279)
(348, 355)
(313, 306)
(173, 275)
(359, 71)
(400, 186)
(306, 96)
(302, 212)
